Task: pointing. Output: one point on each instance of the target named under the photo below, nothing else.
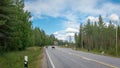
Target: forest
(16, 30)
(98, 36)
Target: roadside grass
(106, 53)
(16, 59)
(98, 52)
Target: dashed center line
(109, 65)
(85, 58)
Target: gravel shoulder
(44, 60)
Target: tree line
(16, 31)
(98, 36)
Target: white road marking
(106, 64)
(109, 65)
(53, 66)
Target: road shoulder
(44, 60)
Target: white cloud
(114, 17)
(46, 7)
(70, 34)
(92, 19)
(31, 19)
(84, 6)
(64, 34)
(72, 30)
(58, 8)
(72, 10)
(71, 24)
(61, 35)
(55, 33)
(107, 24)
(70, 16)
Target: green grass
(98, 52)
(16, 59)
(108, 53)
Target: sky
(63, 17)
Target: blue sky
(63, 17)
(49, 24)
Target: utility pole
(81, 36)
(116, 37)
(70, 39)
(115, 18)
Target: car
(53, 47)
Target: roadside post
(26, 62)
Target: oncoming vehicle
(55, 44)
(53, 47)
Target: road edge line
(53, 66)
(97, 61)
(89, 59)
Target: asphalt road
(68, 58)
